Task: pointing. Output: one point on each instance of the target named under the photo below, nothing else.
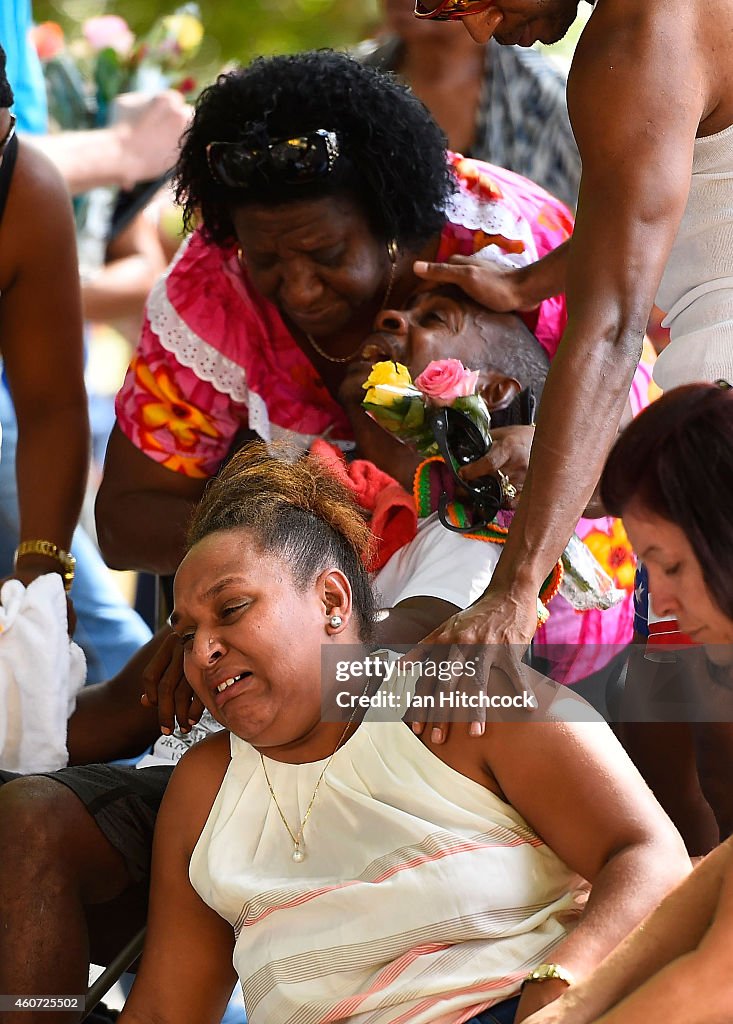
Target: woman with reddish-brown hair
(670, 476)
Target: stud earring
(335, 621)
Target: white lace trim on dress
(228, 377)
(190, 349)
(476, 214)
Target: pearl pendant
(298, 854)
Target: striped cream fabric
(422, 897)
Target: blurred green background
(236, 29)
(241, 29)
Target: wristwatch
(50, 550)
(549, 972)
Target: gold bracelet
(550, 972)
(49, 550)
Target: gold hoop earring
(393, 252)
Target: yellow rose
(186, 29)
(390, 373)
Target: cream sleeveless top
(422, 896)
(697, 287)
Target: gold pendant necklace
(392, 250)
(298, 854)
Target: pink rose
(108, 31)
(445, 380)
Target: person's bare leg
(54, 860)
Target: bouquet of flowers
(84, 75)
(411, 412)
(407, 409)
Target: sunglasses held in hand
(460, 443)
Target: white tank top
(423, 896)
(697, 287)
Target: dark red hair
(676, 460)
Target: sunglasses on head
(449, 10)
(293, 161)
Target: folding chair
(114, 971)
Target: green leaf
(109, 76)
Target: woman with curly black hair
(403, 196)
(316, 183)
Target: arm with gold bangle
(680, 949)
(30, 553)
(41, 345)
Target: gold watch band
(49, 550)
(550, 972)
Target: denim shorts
(501, 1013)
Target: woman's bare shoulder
(194, 784)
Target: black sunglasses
(460, 442)
(292, 161)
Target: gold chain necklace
(297, 838)
(392, 250)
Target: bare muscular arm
(635, 127)
(143, 509)
(660, 971)
(41, 345)
(110, 721)
(504, 289)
